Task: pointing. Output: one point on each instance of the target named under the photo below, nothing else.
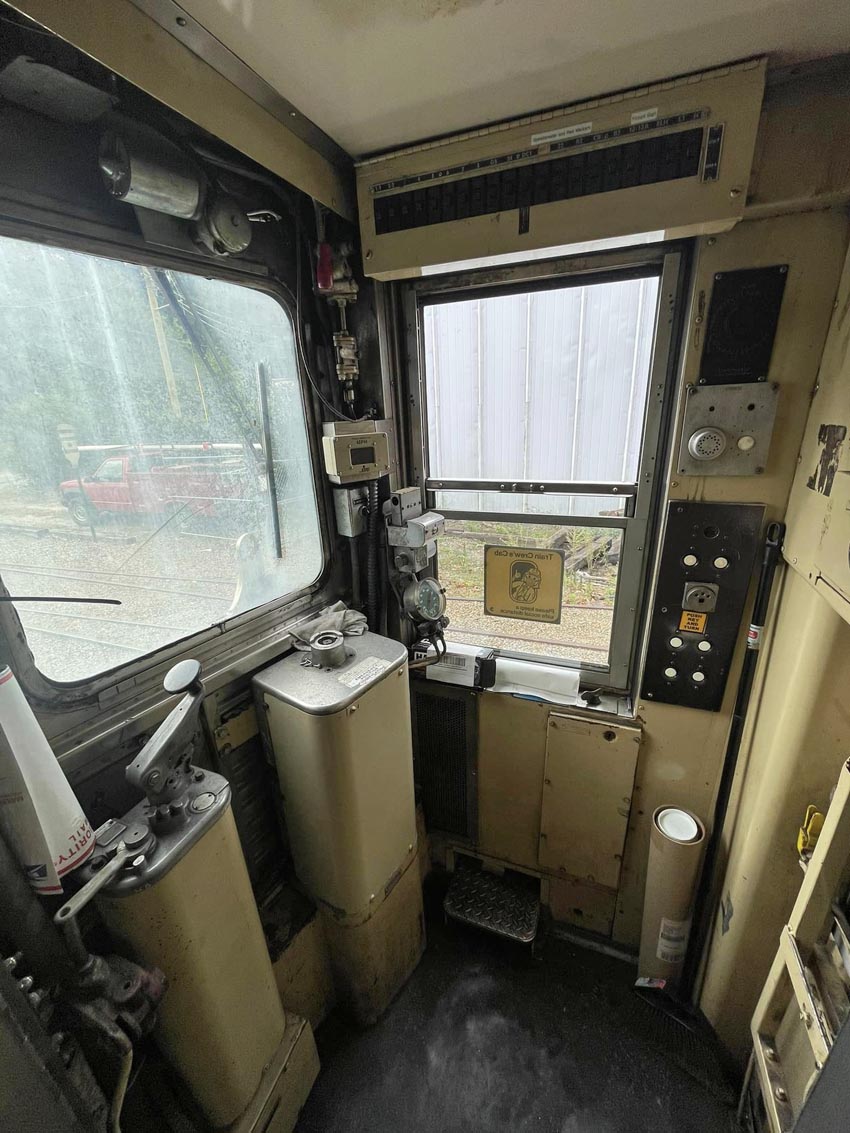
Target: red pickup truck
(144, 484)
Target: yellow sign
(522, 582)
(692, 622)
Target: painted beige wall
(800, 727)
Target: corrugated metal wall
(547, 385)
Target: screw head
(780, 1094)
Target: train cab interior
(424, 566)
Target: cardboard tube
(676, 844)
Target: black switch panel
(706, 568)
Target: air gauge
(425, 600)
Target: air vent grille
(444, 756)
(649, 161)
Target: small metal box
(355, 451)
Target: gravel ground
(170, 583)
(585, 631)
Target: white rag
(350, 623)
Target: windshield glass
(153, 451)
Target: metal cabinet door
(587, 793)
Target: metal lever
(66, 918)
(154, 768)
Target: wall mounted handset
(162, 769)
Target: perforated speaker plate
(707, 444)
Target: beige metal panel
(587, 793)
(374, 959)
(580, 903)
(347, 785)
(221, 1020)
(303, 974)
(799, 742)
(731, 96)
(124, 39)
(683, 750)
(803, 153)
(819, 523)
(511, 756)
(679, 764)
(813, 245)
(286, 1083)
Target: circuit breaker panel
(706, 567)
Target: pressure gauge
(425, 600)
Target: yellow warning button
(692, 622)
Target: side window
(196, 381)
(540, 425)
(110, 472)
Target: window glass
(139, 461)
(591, 558)
(543, 385)
(546, 386)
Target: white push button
(721, 562)
(704, 646)
(746, 443)
(690, 560)
(698, 677)
(676, 643)
(670, 673)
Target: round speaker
(707, 444)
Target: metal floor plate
(487, 901)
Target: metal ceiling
(376, 74)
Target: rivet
(181, 21)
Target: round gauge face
(426, 599)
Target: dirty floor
(486, 1039)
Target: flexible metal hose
(372, 575)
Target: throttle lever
(155, 769)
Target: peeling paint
(726, 913)
(830, 439)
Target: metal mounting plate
(742, 411)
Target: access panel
(706, 567)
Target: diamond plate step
(491, 902)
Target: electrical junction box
(727, 429)
(355, 451)
(351, 506)
(674, 157)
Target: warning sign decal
(693, 622)
(522, 582)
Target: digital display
(363, 455)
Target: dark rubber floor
(485, 1038)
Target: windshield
(153, 450)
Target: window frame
(230, 640)
(639, 524)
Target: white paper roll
(40, 815)
(552, 683)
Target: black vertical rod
(267, 453)
(705, 902)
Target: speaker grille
(444, 753)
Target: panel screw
(711, 241)
(770, 1054)
(181, 21)
(780, 1094)
(736, 192)
(369, 254)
